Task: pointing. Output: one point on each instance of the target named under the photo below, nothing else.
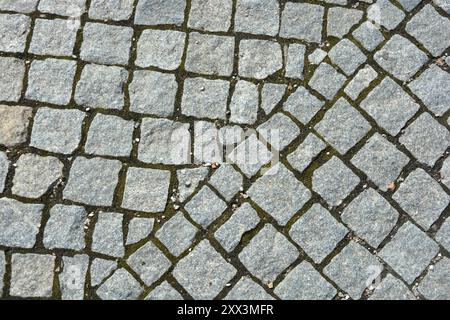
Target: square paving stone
(310, 148)
(11, 82)
(436, 284)
(409, 252)
(334, 181)
(149, 263)
(400, 57)
(108, 235)
(120, 286)
(65, 228)
(295, 61)
(370, 216)
(426, 139)
(51, 80)
(205, 207)
(302, 21)
(210, 15)
(146, 190)
(160, 48)
(305, 283)
(279, 193)
(279, 131)
(343, 126)
(271, 95)
(303, 105)
(227, 181)
(383, 12)
(204, 272)
(32, 275)
(433, 88)
(244, 103)
(110, 136)
(259, 58)
(106, 44)
(203, 98)
(188, 181)
(63, 7)
(164, 141)
(257, 17)
(14, 29)
(177, 234)
(19, 223)
(34, 175)
(353, 269)
(210, 54)
(57, 130)
(368, 35)
(23, 6)
(346, 55)
(92, 181)
(53, 37)
(101, 87)
(268, 254)
(341, 20)
(4, 166)
(164, 292)
(430, 29)
(422, 198)
(390, 106)
(327, 80)
(116, 10)
(138, 229)
(247, 290)
(72, 278)
(391, 288)
(381, 161)
(160, 12)
(360, 82)
(443, 235)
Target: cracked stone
(164, 292)
(177, 234)
(279, 131)
(303, 105)
(436, 284)
(310, 148)
(327, 80)
(244, 103)
(247, 290)
(160, 12)
(346, 55)
(14, 29)
(101, 269)
(116, 10)
(368, 35)
(227, 181)
(205, 207)
(259, 59)
(390, 288)
(15, 122)
(341, 20)
(360, 82)
(11, 82)
(302, 21)
(120, 286)
(210, 15)
(257, 17)
(73, 277)
(138, 229)
(295, 61)
(108, 235)
(271, 95)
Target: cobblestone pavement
(97, 201)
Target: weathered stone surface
(73, 277)
(341, 20)
(23, 6)
(295, 61)
(443, 235)
(108, 235)
(436, 284)
(310, 148)
(116, 10)
(210, 15)
(15, 121)
(327, 80)
(11, 82)
(247, 289)
(302, 21)
(257, 17)
(205, 207)
(259, 58)
(360, 82)
(164, 292)
(177, 234)
(101, 269)
(188, 180)
(138, 229)
(317, 56)
(53, 37)
(244, 103)
(271, 95)
(2, 269)
(4, 167)
(383, 12)
(303, 105)
(227, 181)
(368, 35)
(346, 55)
(70, 8)
(390, 288)
(14, 29)
(279, 131)
(160, 12)
(120, 286)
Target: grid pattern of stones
(162, 252)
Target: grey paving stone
(426, 139)
(188, 180)
(390, 106)
(341, 20)
(408, 5)
(14, 29)
(390, 288)
(360, 82)
(310, 148)
(244, 103)
(63, 7)
(57, 130)
(302, 21)
(268, 254)
(34, 175)
(138, 229)
(346, 55)
(210, 15)
(383, 12)
(120, 286)
(257, 17)
(334, 181)
(210, 54)
(116, 10)
(15, 122)
(106, 44)
(149, 263)
(146, 190)
(160, 48)
(444, 4)
(243, 220)
(259, 59)
(65, 228)
(100, 269)
(32, 275)
(409, 252)
(203, 273)
(305, 283)
(445, 172)
(230, 135)
(422, 198)
(11, 83)
(160, 12)
(227, 181)
(430, 29)
(443, 235)
(279, 193)
(370, 216)
(400, 57)
(50, 80)
(247, 290)
(295, 61)
(279, 131)
(72, 279)
(368, 35)
(317, 232)
(23, 6)
(317, 56)
(205, 207)
(2, 269)
(207, 147)
(381, 161)
(203, 98)
(19, 223)
(4, 166)
(108, 235)
(101, 87)
(433, 88)
(164, 292)
(110, 136)
(271, 95)
(436, 284)
(177, 234)
(92, 181)
(303, 105)
(327, 80)
(53, 37)
(353, 269)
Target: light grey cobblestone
(11, 83)
(247, 289)
(15, 122)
